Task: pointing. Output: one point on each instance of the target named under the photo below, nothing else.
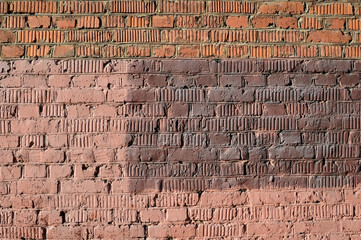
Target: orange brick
(310, 23)
(236, 51)
(38, 51)
(64, 51)
(282, 7)
(353, 52)
(237, 22)
(138, 51)
(7, 36)
(306, 51)
(88, 22)
(286, 22)
(354, 24)
(335, 23)
(283, 51)
(38, 21)
(12, 51)
(260, 52)
(133, 21)
(331, 9)
(331, 51)
(163, 21)
(164, 51)
(88, 51)
(188, 51)
(64, 22)
(186, 21)
(327, 36)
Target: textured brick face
(190, 29)
(182, 149)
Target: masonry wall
(180, 120)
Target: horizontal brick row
(185, 29)
(195, 6)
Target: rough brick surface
(196, 149)
(192, 29)
(138, 119)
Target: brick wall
(166, 28)
(175, 141)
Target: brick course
(127, 29)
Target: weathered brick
(163, 21)
(38, 21)
(237, 22)
(63, 51)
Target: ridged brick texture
(166, 28)
(186, 119)
(196, 149)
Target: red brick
(60, 171)
(278, 80)
(9, 141)
(349, 80)
(152, 215)
(12, 51)
(53, 217)
(273, 109)
(28, 111)
(177, 215)
(35, 171)
(25, 218)
(356, 94)
(80, 96)
(262, 22)
(326, 80)
(59, 81)
(219, 139)
(256, 80)
(7, 156)
(63, 51)
(156, 80)
(65, 232)
(237, 22)
(39, 21)
(163, 21)
(37, 187)
(178, 110)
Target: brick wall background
(184, 138)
